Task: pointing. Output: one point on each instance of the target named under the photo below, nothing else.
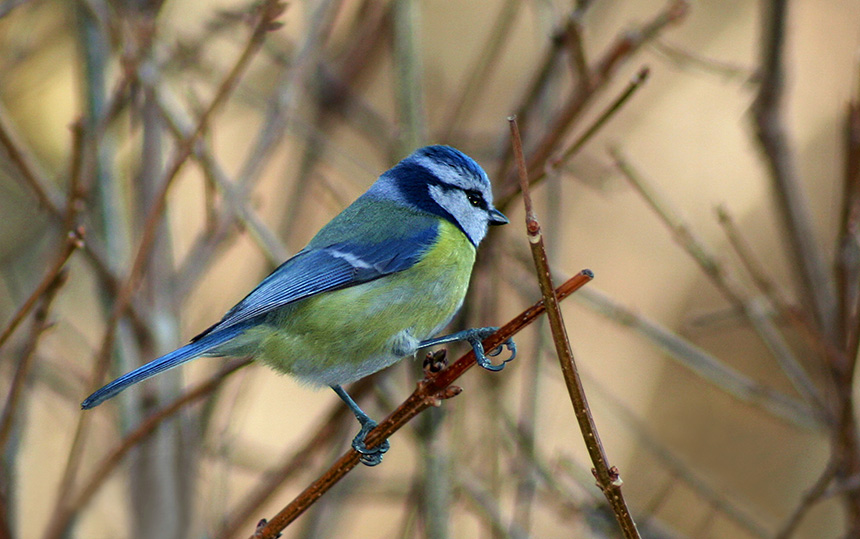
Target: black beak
(497, 217)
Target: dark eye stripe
(476, 199)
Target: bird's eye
(475, 199)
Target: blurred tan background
(696, 461)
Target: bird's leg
(474, 336)
(369, 457)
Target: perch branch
(607, 476)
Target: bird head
(447, 183)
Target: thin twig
(430, 392)
(608, 478)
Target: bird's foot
(373, 455)
(476, 336)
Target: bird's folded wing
(313, 271)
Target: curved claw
(372, 456)
(482, 358)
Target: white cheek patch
(471, 219)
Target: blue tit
(373, 286)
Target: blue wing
(321, 269)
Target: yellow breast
(346, 334)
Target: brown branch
(607, 476)
(430, 391)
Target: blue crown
(453, 158)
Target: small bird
(373, 286)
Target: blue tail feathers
(168, 361)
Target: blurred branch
(725, 281)
(72, 242)
(599, 77)
(480, 71)
(704, 364)
(677, 468)
(265, 21)
(22, 368)
(772, 136)
(810, 498)
(28, 169)
(294, 461)
(236, 198)
(333, 95)
(94, 53)
(430, 392)
(685, 58)
(409, 76)
(608, 478)
(784, 309)
(562, 157)
(10, 408)
(50, 199)
(694, 358)
(280, 109)
(77, 501)
(848, 249)
(488, 506)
